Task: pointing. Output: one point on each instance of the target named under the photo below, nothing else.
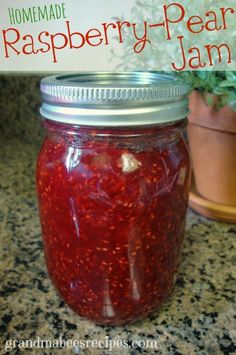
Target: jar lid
(114, 99)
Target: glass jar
(112, 183)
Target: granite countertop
(199, 317)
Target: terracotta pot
(212, 139)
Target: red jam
(112, 206)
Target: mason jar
(112, 183)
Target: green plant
(211, 84)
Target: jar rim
(114, 99)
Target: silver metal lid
(111, 99)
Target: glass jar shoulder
(112, 164)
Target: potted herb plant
(212, 139)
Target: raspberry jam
(112, 205)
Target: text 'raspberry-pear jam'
(112, 181)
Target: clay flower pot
(212, 139)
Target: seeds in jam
(113, 215)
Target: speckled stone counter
(199, 318)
